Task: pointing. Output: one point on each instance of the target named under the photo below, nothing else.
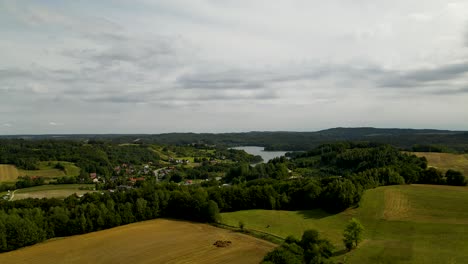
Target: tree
(282, 255)
(213, 215)
(455, 178)
(353, 234)
(431, 176)
(316, 249)
(340, 194)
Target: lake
(266, 155)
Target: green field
(404, 224)
(445, 161)
(51, 191)
(9, 173)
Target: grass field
(49, 191)
(445, 161)
(9, 173)
(156, 241)
(404, 224)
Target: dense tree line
(27, 181)
(94, 156)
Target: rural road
(12, 195)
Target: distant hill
(432, 139)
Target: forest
(429, 139)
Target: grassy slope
(49, 191)
(404, 224)
(445, 161)
(156, 241)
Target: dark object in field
(221, 243)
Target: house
(188, 182)
(134, 180)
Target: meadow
(445, 161)
(155, 241)
(404, 224)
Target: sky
(149, 66)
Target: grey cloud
(15, 73)
(451, 91)
(175, 96)
(421, 77)
(222, 80)
(146, 52)
(115, 99)
(37, 16)
(252, 79)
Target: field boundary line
(253, 232)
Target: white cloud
(55, 124)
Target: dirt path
(12, 195)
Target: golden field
(155, 241)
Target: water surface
(266, 155)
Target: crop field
(445, 161)
(8, 173)
(404, 224)
(155, 241)
(51, 191)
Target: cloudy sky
(149, 66)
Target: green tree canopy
(353, 234)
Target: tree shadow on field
(314, 214)
(340, 252)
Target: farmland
(445, 161)
(156, 241)
(404, 224)
(52, 191)
(9, 173)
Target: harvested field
(156, 241)
(445, 161)
(397, 206)
(8, 173)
